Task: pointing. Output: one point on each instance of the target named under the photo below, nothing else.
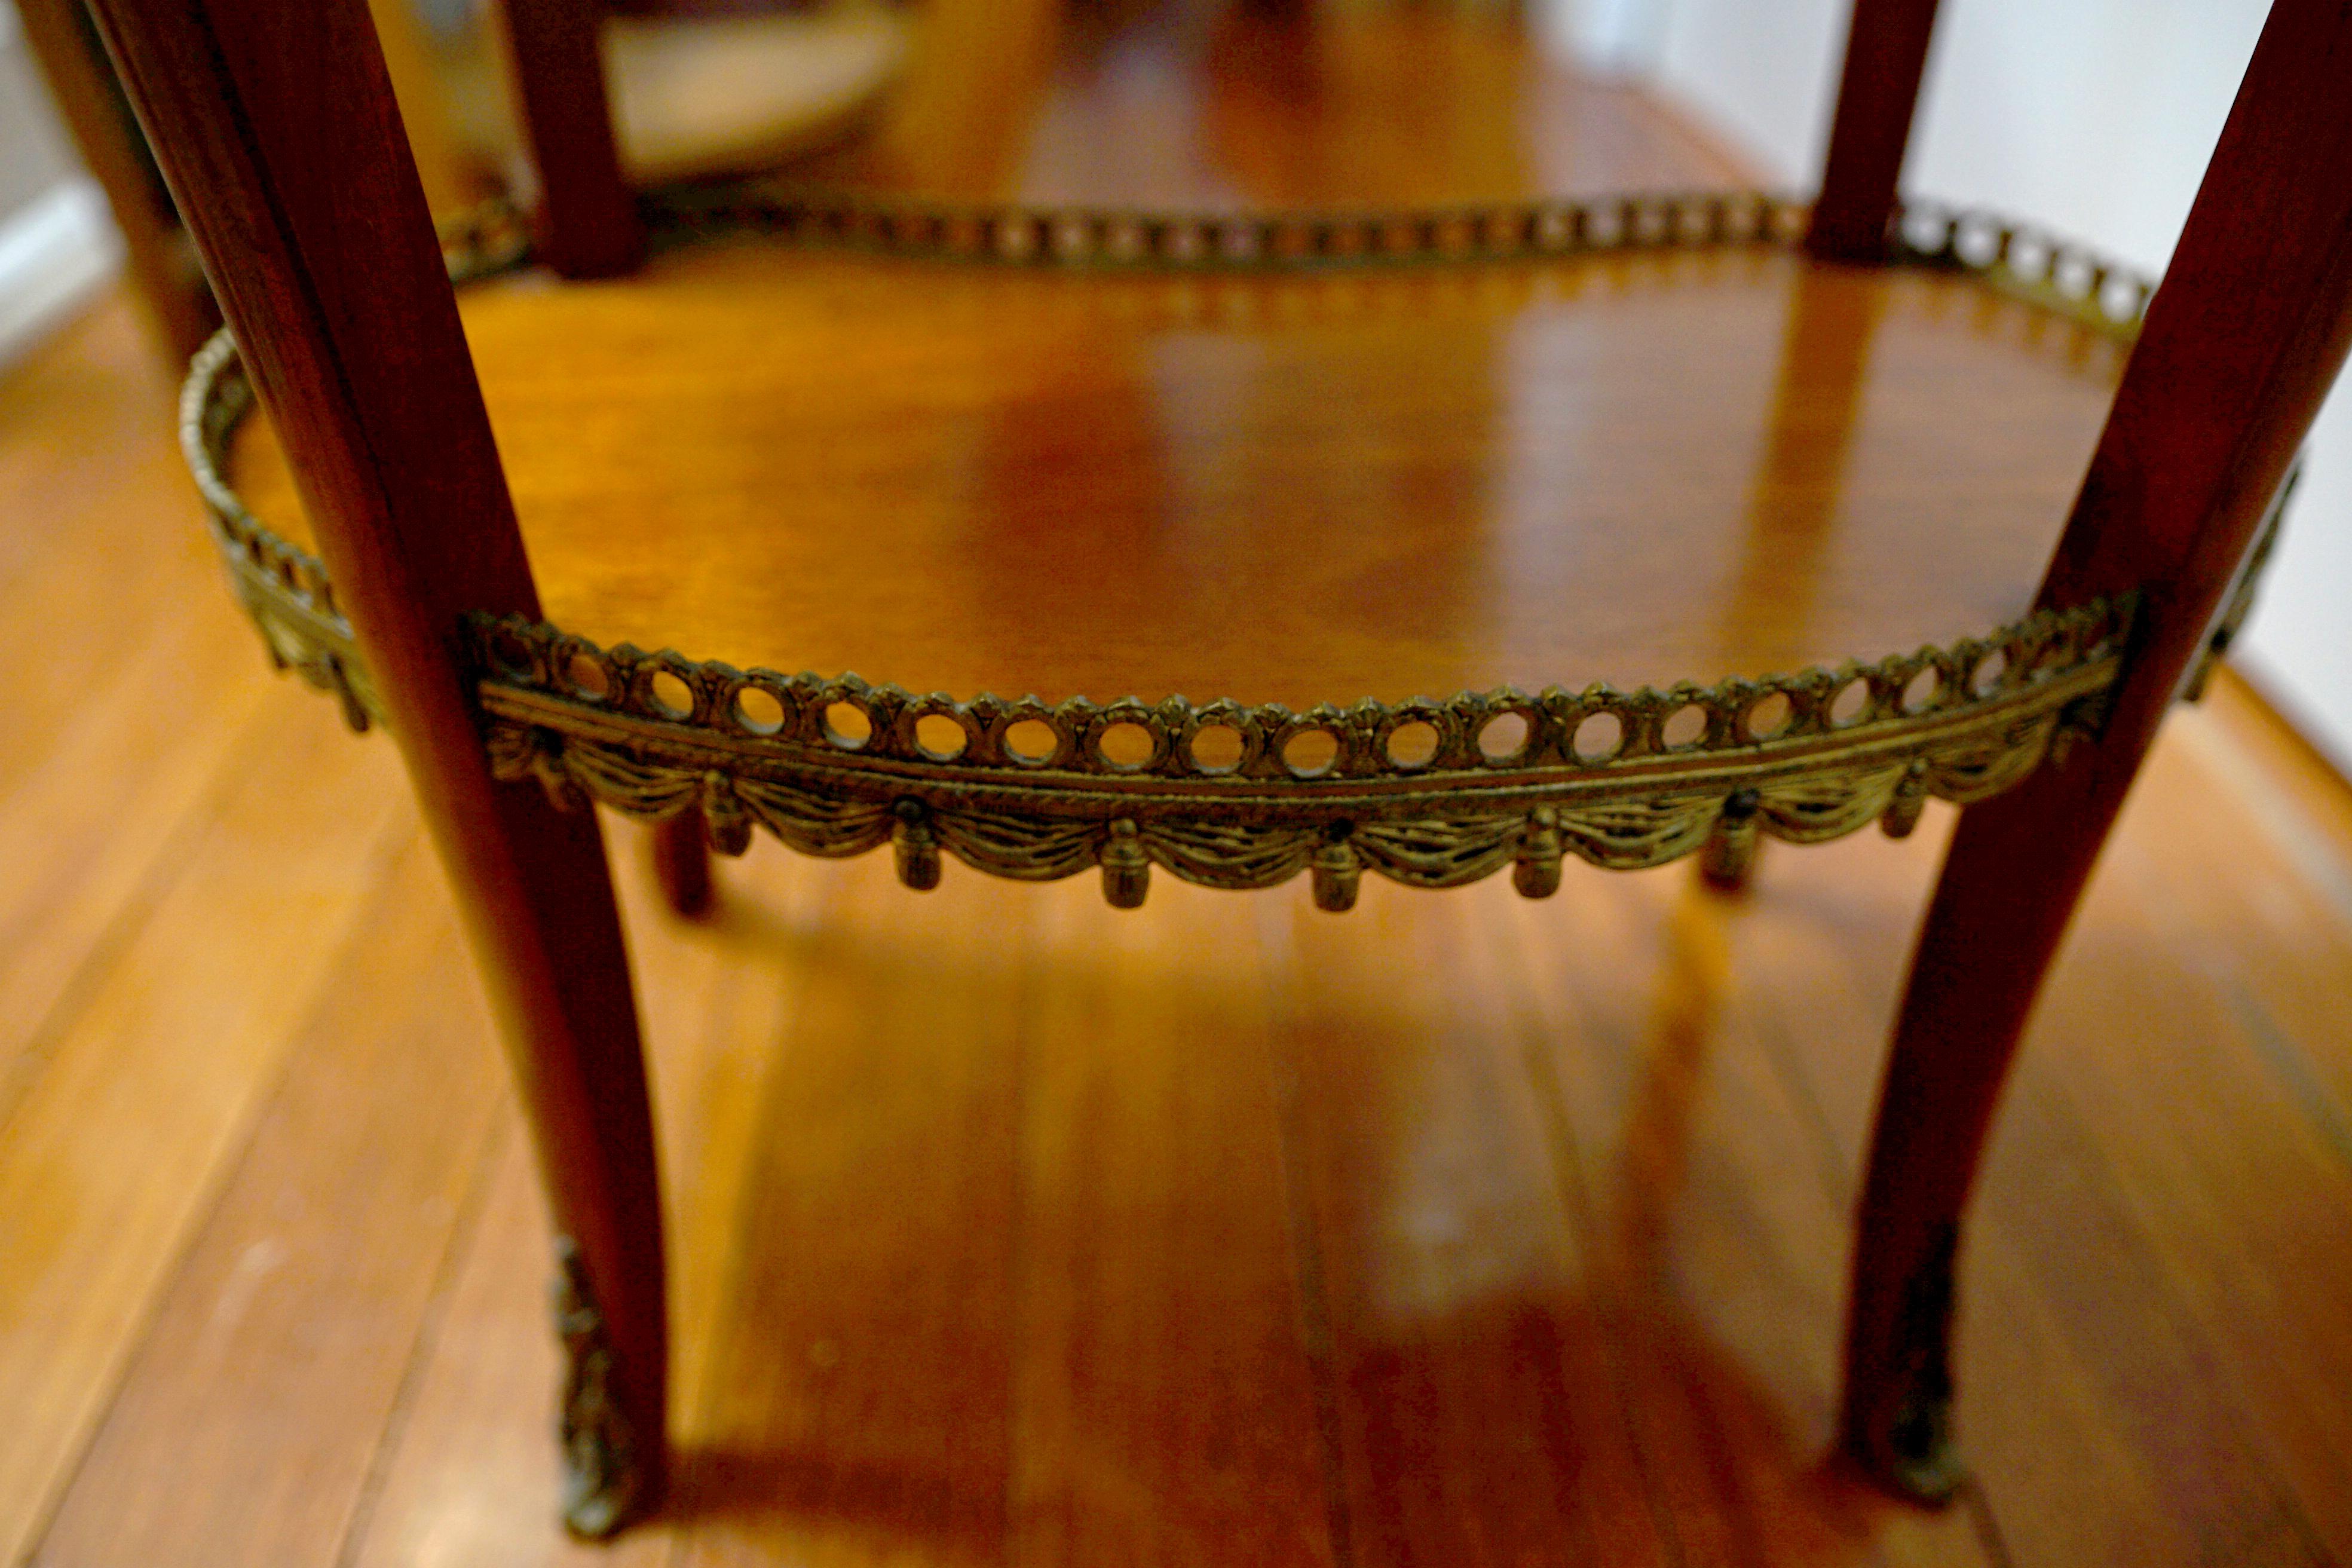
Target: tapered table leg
(2013, 876)
(2250, 328)
(554, 961)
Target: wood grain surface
(1302, 490)
(1276, 490)
(1385, 483)
(1006, 1226)
(1213, 104)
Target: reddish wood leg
(2015, 870)
(274, 125)
(163, 264)
(588, 216)
(2241, 344)
(1885, 61)
(554, 961)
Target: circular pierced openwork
(757, 710)
(1431, 793)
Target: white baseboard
(55, 252)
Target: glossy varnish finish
(1011, 1229)
(1384, 483)
(1216, 103)
(368, 381)
(1211, 105)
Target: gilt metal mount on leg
(603, 1478)
(1915, 1453)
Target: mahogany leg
(2251, 325)
(682, 862)
(2012, 877)
(553, 956)
(275, 124)
(588, 216)
(1878, 96)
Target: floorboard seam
(1576, 1205)
(380, 856)
(122, 927)
(463, 1233)
(1316, 1338)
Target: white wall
(33, 151)
(2092, 117)
(58, 243)
(56, 251)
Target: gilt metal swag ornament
(837, 767)
(1427, 793)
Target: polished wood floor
(1009, 1228)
